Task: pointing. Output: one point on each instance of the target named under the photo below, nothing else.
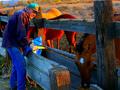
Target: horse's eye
(82, 60)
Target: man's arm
(22, 33)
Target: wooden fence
(106, 31)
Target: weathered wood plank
(39, 77)
(64, 24)
(67, 54)
(118, 74)
(71, 25)
(4, 18)
(105, 46)
(78, 25)
(2, 50)
(43, 71)
(116, 29)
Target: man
(14, 38)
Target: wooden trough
(47, 73)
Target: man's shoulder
(19, 11)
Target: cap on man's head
(34, 6)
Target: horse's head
(85, 61)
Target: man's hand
(27, 50)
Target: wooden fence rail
(76, 25)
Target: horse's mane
(64, 16)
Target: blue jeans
(18, 73)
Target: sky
(10, 2)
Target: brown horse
(48, 35)
(71, 36)
(117, 41)
(84, 51)
(85, 62)
(51, 34)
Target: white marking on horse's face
(82, 60)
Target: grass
(4, 83)
(33, 88)
(1, 63)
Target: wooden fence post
(107, 77)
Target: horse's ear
(39, 14)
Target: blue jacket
(16, 30)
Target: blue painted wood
(39, 77)
(44, 72)
(65, 53)
(62, 59)
(2, 50)
(75, 81)
(4, 18)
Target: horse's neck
(86, 53)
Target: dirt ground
(79, 8)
